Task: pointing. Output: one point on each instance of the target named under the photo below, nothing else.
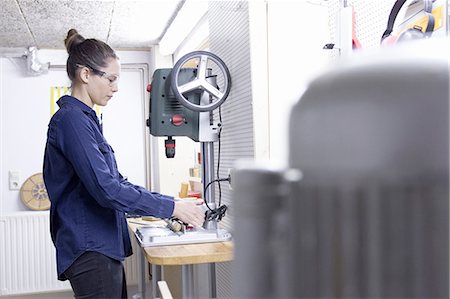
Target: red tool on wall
(356, 44)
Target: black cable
(218, 153)
(219, 212)
(216, 180)
(216, 214)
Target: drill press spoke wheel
(201, 82)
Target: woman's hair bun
(73, 39)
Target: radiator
(27, 256)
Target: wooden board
(190, 253)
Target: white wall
(25, 111)
(297, 32)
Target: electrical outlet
(14, 178)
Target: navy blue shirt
(89, 197)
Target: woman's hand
(189, 212)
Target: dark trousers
(94, 275)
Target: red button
(177, 120)
(149, 87)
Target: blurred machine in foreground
(363, 210)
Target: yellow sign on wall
(55, 93)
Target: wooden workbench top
(190, 253)
(183, 254)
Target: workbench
(185, 255)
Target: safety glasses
(113, 79)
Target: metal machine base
(161, 235)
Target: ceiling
(123, 24)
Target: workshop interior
(313, 134)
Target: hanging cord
(216, 214)
(218, 155)
(219, 212)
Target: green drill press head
(167, 116)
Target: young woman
(89, 197)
